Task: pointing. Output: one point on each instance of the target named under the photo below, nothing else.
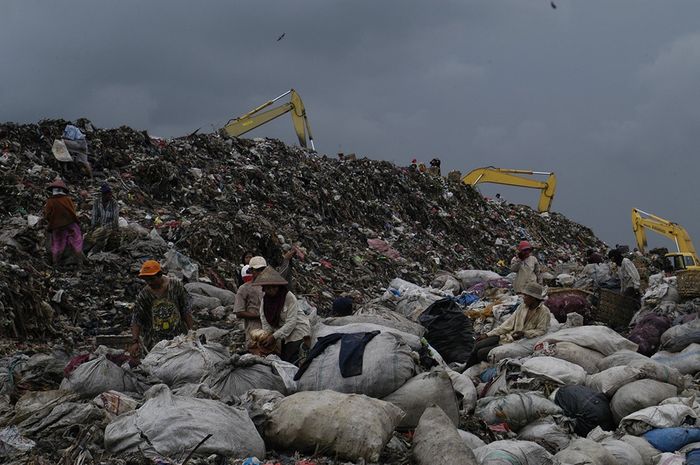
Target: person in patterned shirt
(163, 309)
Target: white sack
(225, 296)
(686, 361)
(513, 453)
(657, 416)
(422, 391)
(469, 278)
(638, 395)
(436, 440)
(599, 338)
(174, 425)
(610, 380)
(388, 363)
(347, 425)
(182, 360)
(517, 410)
(554, 369)
(101, 375)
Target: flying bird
(553, 5)
(281, 37)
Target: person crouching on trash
(530, 320)
(163, 309)
(62, 225)
(287, 325)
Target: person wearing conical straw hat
(287, 325)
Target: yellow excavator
(686, 258)
(509, 177)
(257, 117)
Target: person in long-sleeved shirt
(105, 222)
(525, 265)
(62, 225)
(530, 320)
(105, 210)
(280, 316)
(628, 274)
(249, 297)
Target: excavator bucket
(509, 177)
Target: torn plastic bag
(181, 265)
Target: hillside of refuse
(356, 224)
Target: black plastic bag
(587, 407)
(450, 332)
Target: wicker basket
(688, 283)
(614, 309)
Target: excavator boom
(641, 221)
(257, 117)
(509, 177)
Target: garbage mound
(354, 224)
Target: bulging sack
(172, 425)
(387, 364)
(547, 433)
(347, 425)
(686, 361)
(436, 440)
(422, 391)
(554, 369)
(101, 375)
(183, 360)
(586, 407)
(638, 395)
(232, 378)
(517, 410)
(225, 296)
(509, 452)
(586, 452)
(599, 338)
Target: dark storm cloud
(604, 93)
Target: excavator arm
(257, 117)
(641, 221)
(510, 177)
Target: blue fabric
(693, 457)
(466, 299)
(672, 439)
(488, 374)
(73, 133)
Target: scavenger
(62, 226)
(530, 320)
(288, 326)
(163, 309)
(525, 265)
(248, 298)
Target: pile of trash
(200, 202)
(425, 262)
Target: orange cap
(150, 268)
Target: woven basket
(688, 283)
(614, 309)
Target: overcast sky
(606, 93)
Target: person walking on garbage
(628, 274)
(525, 265)
(105, 221)
(77, 146)
(530, 320)
(249, 297)
(63, 226)
(163, 309)
(287, 325)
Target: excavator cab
(682, 261)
